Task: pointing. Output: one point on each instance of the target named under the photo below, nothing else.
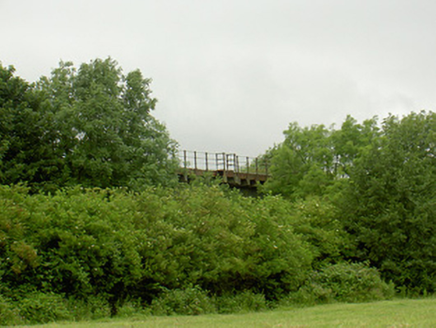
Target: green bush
(220, 241)
(133, 307)
(316, 219)
(9, 314)
(91, 308)
(113, 246)
(41, 308)
(246, 301)
(344, 282)
(188, 301)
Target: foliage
(280, 256)
(219, 243)
(392, 313)
(317, 220)
(187, 301)
(25, 151)
(93, 307)
(119, 246)
(243, 302)
(9, 314)
(297, 165)
(90, 126)
(344, 282)
(73, 244)
(311, 160)
(86, 138)
(376, 183)
(388, 206)
(44, 307)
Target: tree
(311, 160)
(350, 141)
(303, 156)
(96, 128)
(25, 132)
(389, 204)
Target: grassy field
(393, 314)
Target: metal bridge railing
(203, 161)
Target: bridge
(242, 172)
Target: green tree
(302, 163)
(311, 161)
(389, 204)
(90, 126)
(350, 141)
(26, 152)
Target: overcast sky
(231, 75)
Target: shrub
(91, 308)
(188, 301)
(219, 241)
(246, 301)
(316, 219)
(112, 245)
(41, 308)
(133, 307)
(344, 282)
(9, 315)
(279, 260)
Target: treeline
(93, 222)
(380, 179)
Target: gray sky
(231, 75)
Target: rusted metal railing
(232, 167)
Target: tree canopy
(90, 126)
(389, 203)
(312, 159)
(380, 179)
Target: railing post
(195, 161)
(247, 164)
(207, 163)
(217, 162)
(224, 167)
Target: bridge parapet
(239, 171)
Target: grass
(393, 314)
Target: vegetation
(397, 313)
(93, 223)
(191, 250)
(89, 126)
(379, 180)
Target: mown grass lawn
(394, 314)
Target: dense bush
(188, 301)
(9, 313)
(245, 301)
(115, 245)
(44, 307)
(316, 219)
(344, 282)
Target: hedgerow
(79, 244)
